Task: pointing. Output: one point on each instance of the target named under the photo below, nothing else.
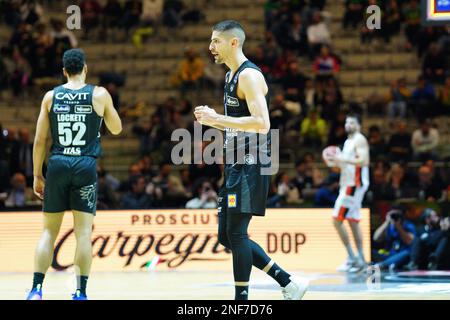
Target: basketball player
(354, 182)
(245, 189)
(73, 113)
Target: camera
(395, 215)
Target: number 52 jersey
(75, 126)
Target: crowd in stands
(309, 110)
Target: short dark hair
(73, 61)
(355, 116)
(228, 25)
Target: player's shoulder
(99, 91)
(250, 74)
(361, 138)
(48, 97)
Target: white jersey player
(354, 182)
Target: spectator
(424, 142)
(303, 179)
(313, 130)
(411, 14)
(131, 14)
(31, 12)
(278, 113)
(397, 98)
(106, 196)
(259, 58)
(397, 184)
(286, 192)
(271, 51)
(327, 194)
(21, 76)
(434, 64)
(376, 141)
(422, 99)
(428, 189)
(326, 65)
(379, 189)
(318, 35)
(426, 36)
(312, 170)
(353, 13)
(136, 198)
(90, 13)
(24, 155)
(295, 36)
(397, 235)
(399, 145)
(19, 195)
(111, 14)
(167, 188)
(337, 134)
(293, 83)
(425, 243)
(63, 40)
(331, 100)
(444, 98)
(150, 134)
(205, 196)
(190, 71)
(171, 13)
(391, 20)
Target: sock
(38, 278)
(278, 274)
(82, 283)
(241, 292)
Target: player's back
(75, 126)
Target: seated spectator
(282, 64)
(172, 13)
(318, 35)
(63, 40)
(111, 14)
(354, 10)
(90, 14)
(368, 34)
(20, 195)
(424, 245)
(286, 192)
(190, 71)
(377, 145)
(136, 198)
(313, 129)
(337, 134)
(379, 189)
(271, 51)
(327, 194)
(440, 258)
(436, 174)
(295, 36)
(411, 14)
(422, 99)
(427, 188)
(293, 83)
(205, 196)
(424, 142)
(326, 65)
(150, 134)
(278, 113)
(107, 198)
(397, 99)
(312, 170)
(167, 188)
(434, 64)
(391, 20)
(303, 179)
(131, 14)
(397, 184)
(426, 36)
(259, 58)
(399, 145)
(444, 98)
(396, 234)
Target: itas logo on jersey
(232, 102)
(72, 96)
(61, 109)
(83, 109)
(232, 201)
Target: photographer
(440, 258)
(426, 242)
(397, 234)
(206, 197)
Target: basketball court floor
(188, 285)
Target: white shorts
(348, 203)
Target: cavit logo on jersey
(61, 109)
(72, 96)
(232, 102)
(83, 109)
(232, 201)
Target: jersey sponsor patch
(232, 101)
(83, 109)
(232, 201)
(61, 108)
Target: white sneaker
(358, 266)
(296, 289)
(346, 266)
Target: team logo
(232, 101)
(83, 109)
(232, 201)
(61, 108)
(249, 159)
(88, 194)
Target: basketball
(329, 152)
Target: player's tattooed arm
(40, 144)
(251, 85)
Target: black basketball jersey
(243, 147)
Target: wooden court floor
(182, 285)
